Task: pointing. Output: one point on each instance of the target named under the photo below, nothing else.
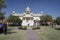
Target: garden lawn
(48, 33)
(13, 34)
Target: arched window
(28, 13)
(23, 18)
(32, 18)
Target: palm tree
(2, 4)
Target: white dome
(27, 9)
(14, 12)
(41, 11)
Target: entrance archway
(29, 27)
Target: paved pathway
(32, 35)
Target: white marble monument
(28, 17)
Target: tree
(42, 18)
(2, 4)
(42, 21)
(46, 18)
(14, 19)
(58, 20)
(1, 16)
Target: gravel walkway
(32, 35)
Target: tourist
(5, 28)
(52, 25)
(55, 24)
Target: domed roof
(13, 12)
(27, 9)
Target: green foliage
(57, 28)
(13, 19)
(20, 27)
(46, 18)
(58, 20)
(2, 4)
(36, 27)
(1, 16)
(24, 27)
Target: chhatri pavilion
(28, 17)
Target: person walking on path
(5, 28)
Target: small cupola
(13, 12)
(28, 10)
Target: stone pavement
(32, 35)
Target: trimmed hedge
(20, 27)
(34, 28)
(38, 27)
(23, 27)
(57, 28)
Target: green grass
(48, 33)
(45, 32)
(13, 34)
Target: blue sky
(51, 7)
